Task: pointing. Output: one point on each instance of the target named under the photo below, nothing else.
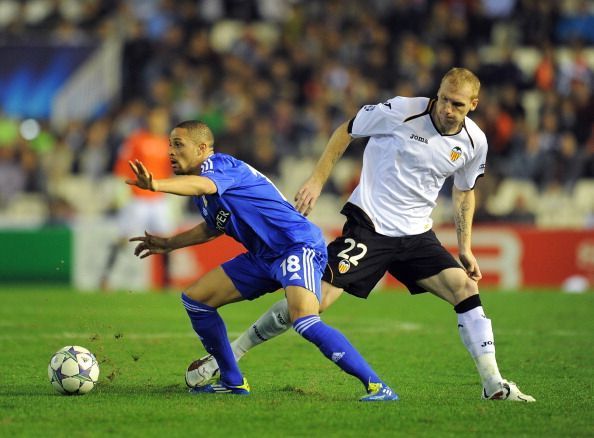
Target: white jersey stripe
(206, 166)
(304, 267)
(308, 268)
(312, 274)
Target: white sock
(274, 322)
(477, 335)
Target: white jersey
(407, 161)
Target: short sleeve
(378, 119)
(465, 178)
(220, 171)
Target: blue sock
(336, 347)
(211, 330)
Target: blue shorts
(298, 266)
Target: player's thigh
(357, 261)
(215, 289)
(302, 302)
(422, 257)
(252, 276)
(329, 295)
(452, 285)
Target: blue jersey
(249, 208)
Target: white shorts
(140, 215)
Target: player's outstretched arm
(151, 244)
(185, 185)
(464, 204)
(308, 194)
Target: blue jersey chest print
(213, 212)
(249, 208)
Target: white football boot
(202, 372)
(509, 391)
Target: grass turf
(144, 343)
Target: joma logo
(417, 138)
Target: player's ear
(199, 149)
(473, 104)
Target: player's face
(185, 153)
(453, 104)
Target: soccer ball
(73, 370)
(202, 371)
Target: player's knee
(465, 289)
(202, 295)
(299, 312)
(329, 295)
(461, 286)
(324, 305)
(301, 302)
(299, 309)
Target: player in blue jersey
(284, 250)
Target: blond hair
(459, 76)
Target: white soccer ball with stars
(73, 370)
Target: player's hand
(149, 245)
(471, 265)
(307, 195)
(144, 179)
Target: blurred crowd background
(273, 78)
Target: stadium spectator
(589, 156)
(499, 131)
(145, 210)
(264, 155)
(95, 157)
(57, 165)
(575, 71)
(520, 213)
(528, 160)
(137, 53)
(13, 178)
(536, 21)
(583, 100)
(545, 74)
(284, 250)
(567, 162)
(577, 24)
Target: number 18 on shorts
(302, 267)
(298, 266)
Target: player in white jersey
(413, 145)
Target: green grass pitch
(144, 342)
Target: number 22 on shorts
(349, 260)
